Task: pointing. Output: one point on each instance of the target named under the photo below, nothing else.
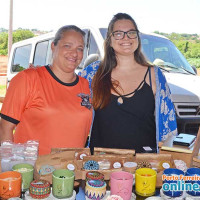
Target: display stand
(195, 158)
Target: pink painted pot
(121, 183)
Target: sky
(179, 16)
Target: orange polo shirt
(50, 111)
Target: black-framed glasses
(119, 35)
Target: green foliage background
(18, 35)
(2, 90)
(188, 44)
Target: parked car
(181, 77)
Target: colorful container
(10, 184)
(121, 183)
(145, 181)
(94, 175)
(26, 171)
(39, 189)
(192, 172)
(95, 189)
(63, 183)
(172, 172)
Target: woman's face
(125, 46)
(68, 52)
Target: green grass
(2, 90)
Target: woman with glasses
(131, 99)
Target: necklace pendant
(120, 101)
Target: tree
(18, 35)
(175, 36)
(3, 43)
(186, 47)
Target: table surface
(168, 145)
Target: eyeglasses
(119, 35)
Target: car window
(40, 53)
(21, 58)
(103, 32)
(49, 53)
(93, 49)
(40, 56)
(85, 53)
(161, 51)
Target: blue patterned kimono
(164, 109)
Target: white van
(159, 50)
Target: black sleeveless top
(130, 125)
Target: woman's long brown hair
(102, 83)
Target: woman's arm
(165, 112)
(15, 102)
(6, 130)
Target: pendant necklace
(120, 99)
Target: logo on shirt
(85, 100)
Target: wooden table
(178, 152)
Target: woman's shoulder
(153, 70)
(84, 84)
(33, 70)
(31, 73)
(157, 70)
(82, 79)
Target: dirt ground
(3, 64)
(3, 69)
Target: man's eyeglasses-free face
(119, 35)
